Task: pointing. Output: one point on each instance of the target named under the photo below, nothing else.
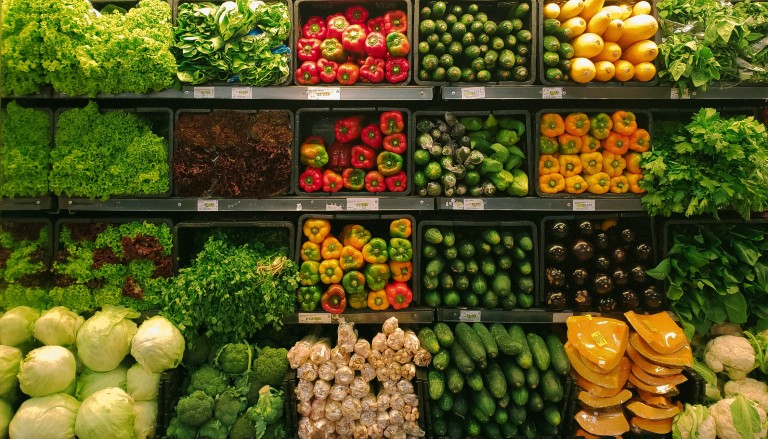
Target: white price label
(334, 206)
(466, 315)
(552, 93)
(561, 317)
(474, 204)
(203, 92)
(315, 318)
(675, 94)
(207, 205)
(363, 203)
(473, 93)
(242, 93)
(583, 205)
(323, 93)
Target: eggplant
(652, 298)
(643, 252)
(602, 263)
(582, 250)
(579, 276)
(627, 235)
(619, 255)
(556, 253)
(620, 277)
(607, 304)
(586, 228)
(602, 241)
(555, 277)
(638, 274)
(559, 229)
(602, 284)
(583, 300)
(629, 300)
(556, 301)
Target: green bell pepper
(400, 250)
(501, 179)
(548, 145)
(513, 124)
(490, 165)
(519, 186)
(490, 122)
(357, 300)
(309, 273)
(375, 251)
(483, 134)
(376, 276)
(507, 137)
(353, 282)
(308, 297)
(500, 152)
(515, 159)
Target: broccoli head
(243, 428)
(235, 358)
(275, 431)
(271, 366)
(208, 379)
(270, 406)
(197, 351)
(177, 430)
(213, 429)
(195, 409)
(229, 405)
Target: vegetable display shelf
(410, 315)
(500, 315)
(612, 92)
(27, 203)
(538, 204)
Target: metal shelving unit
(411, 315)
(541, 204)
(27, 204)
(598, 92)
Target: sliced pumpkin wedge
(665, 390)
(645, 411)
(661, 333)
(661, 426)
(654, 400)
(608, 379)
(610, 423)
(648, 366)
(600, 340)
(596, 402)
(594, 389)
(655, 380)
(682, 358)
(580, 433)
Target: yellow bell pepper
(634, 183)
(570, 165)
(331, 248)
(619, 185)
(310, 251)
(598, 183)
(552, 183)
(548, 164)
(634, 162)
(575, 184)
(377, 300)
(591, 163)
(613, 164)
(400, 228)
(316, 229)
(351, 258)
(330, 272)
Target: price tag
(552, 93)
(334, 206)
(473, 93)
(583, 205)
(466, 315)
(323, 93)
(203, 92)
(560, 317)
(597, 336)
(675, 94)
(242, 93)
(207, 205)
(363, 203)
(474, 204)
(315, 318)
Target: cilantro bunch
(24, 151)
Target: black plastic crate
(304, 9)
(321, 121)
(644, 121)
(167, 396)
(497, 11)
(515, 226)
(51, 126)
(595, 83)
(160, 121)
(645, 232)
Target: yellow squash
(599, 22)
(587, 45)
(642, 51)
(637, 28)
(614, 31)
(611, 52)
(591, 8)
(570, 9)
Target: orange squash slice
(666, 390)
(654, 400)
(661, 333)
(600, 340)
(609, 379)
(607, 423)
(655, 380)
(661, 426)
(580, 433)
(648, 366)
(594, 389)
(595, 402)
(681, 358)
(645, 411)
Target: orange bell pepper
(634, 181)
(640, 140)
(316, 229)
(591, 163)
(355, 235)
(616, 143)
(589, 144)
(575, 184)
(351, 258)
(570, 165)
(330, 272)
(619, 185)
(577, 124)
(613, 164)
(598, 183)
(401, 271)
(548, 164)
(551, 124)
(331, 248)
(552, 183)
(634, 162)
(377, 300)
(624, 122)
(569, 144)
(310, 251)
(400, 228)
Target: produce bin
(235, 146)
(477, 228)
(49, 114)
(379, 226)
(304, 9)
(28, 229)
(321, 122)
(643, 122)
(160, 121)
(546, 80)
(496, 11)
(524, 144)
(167, 396)
(644, 233)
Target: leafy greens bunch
(240, 41)
(22, 265)
(99, 155)
(68, 44)
(24, 151)
(712, 163)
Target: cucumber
(501, 417)
(501, 284)
(491, 348)
(552, 415)
(436, 384)
(442, 359)
(457, 267)
(504, 401)
(446, 401)
(475, 381)
(472, 344)
(539, 351)
(436, 412)
(450, 253)
(525, 267)
(551, 386)
(551, 25)
(491, 430)
(466, 249)
(473, 425)
(455, 428)
(433, 236)
(461, 359)
(428, 340)
(560, 361)
(532, 378)
(517, 414)
(525, 241)
(520, 396)
(451, 298)
(524, 359)
(460, 405)
(504, 341)
(525, 300)
(434, 267)
(529, 430)
(509, 430)
(491, 236)
(494, 378)
(488, 266)
(429, 251)
(484, 401)
(514, 374)
(439, 427)
(446, 281)
(454, 379)
(444, 334)
(471, 266)
(479, 285)
(535, 401)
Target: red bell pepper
(372, 70)
(327, 70)
(336, 25)
(353, 38)
(315, 28)
(353, 179)
(311, 180)
(331, 181)
(374, 182)
(339, 155)
(371, 136)
(334, 300)
(376, 45)
(398, 44)
(399, 294)
(391, 122)
(396, 70)
(307, 74)
(348, 129)
(363, 157)
(395, 21)
(332, 50)
(397, 182)
(375, 24)
(313, 140)
(356, 14)
(308, 49)
(348, 73)
(396, 143)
